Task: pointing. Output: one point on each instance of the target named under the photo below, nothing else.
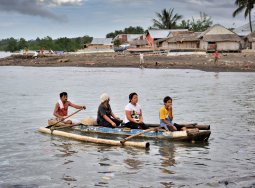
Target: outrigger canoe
(194, 132)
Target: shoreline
(228, 62)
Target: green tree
(22, 44)
(117, 43)
(12, 45)
(197, 25)
(166, 19)
(128, 30)
(246, 6)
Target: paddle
(65, 126)
(49, 126)
(137, 134)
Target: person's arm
(76, 106)
(171, 117)
(140, 117)
(55, 112)
(129, 118)
(109, 120)
(115, 117)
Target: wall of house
(99, 46)
(150, 40)
(228, 46)
(180, 45)
(203, 45)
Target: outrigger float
(194, 133)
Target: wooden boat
(193, 133)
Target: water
(4, 54)
(223, 100)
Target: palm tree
(166, 19)
(247, 6)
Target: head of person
(104, 98)
(133, 98)
(168, 101)
(63, 96)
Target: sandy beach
(228, 62)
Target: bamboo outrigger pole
(94, 140)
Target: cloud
(37, 7)
(62, 2)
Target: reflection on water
(224, 100)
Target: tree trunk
(250, 21)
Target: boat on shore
(193, 133)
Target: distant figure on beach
(141, 61)
(134, 116)
(61, 109)
(105, 116)
(216, 57)
(25, 51)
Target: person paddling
(61, 109)
(134, 116)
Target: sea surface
(30, 159)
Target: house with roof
(126, 38)
(159, 35)
(100, 43)
(181, 40)
(219, 38)
(250, 41)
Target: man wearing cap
(105, 116)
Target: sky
(30, 19)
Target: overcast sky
(73, 18)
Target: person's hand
(83, 107)
(140, 121)
(113, 124)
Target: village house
(156, 35)
(100, 43)
(219, 38)
(126, 38)
(250, 41)
(132, 40)
(181, 40)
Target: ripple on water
(223, 100)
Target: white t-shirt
(135, 111)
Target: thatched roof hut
(219, 38)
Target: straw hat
(104, 97)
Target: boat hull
(193, 133)
(172, 136)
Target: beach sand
(228, 62)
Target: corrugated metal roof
(163, 33)
(104, 41)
